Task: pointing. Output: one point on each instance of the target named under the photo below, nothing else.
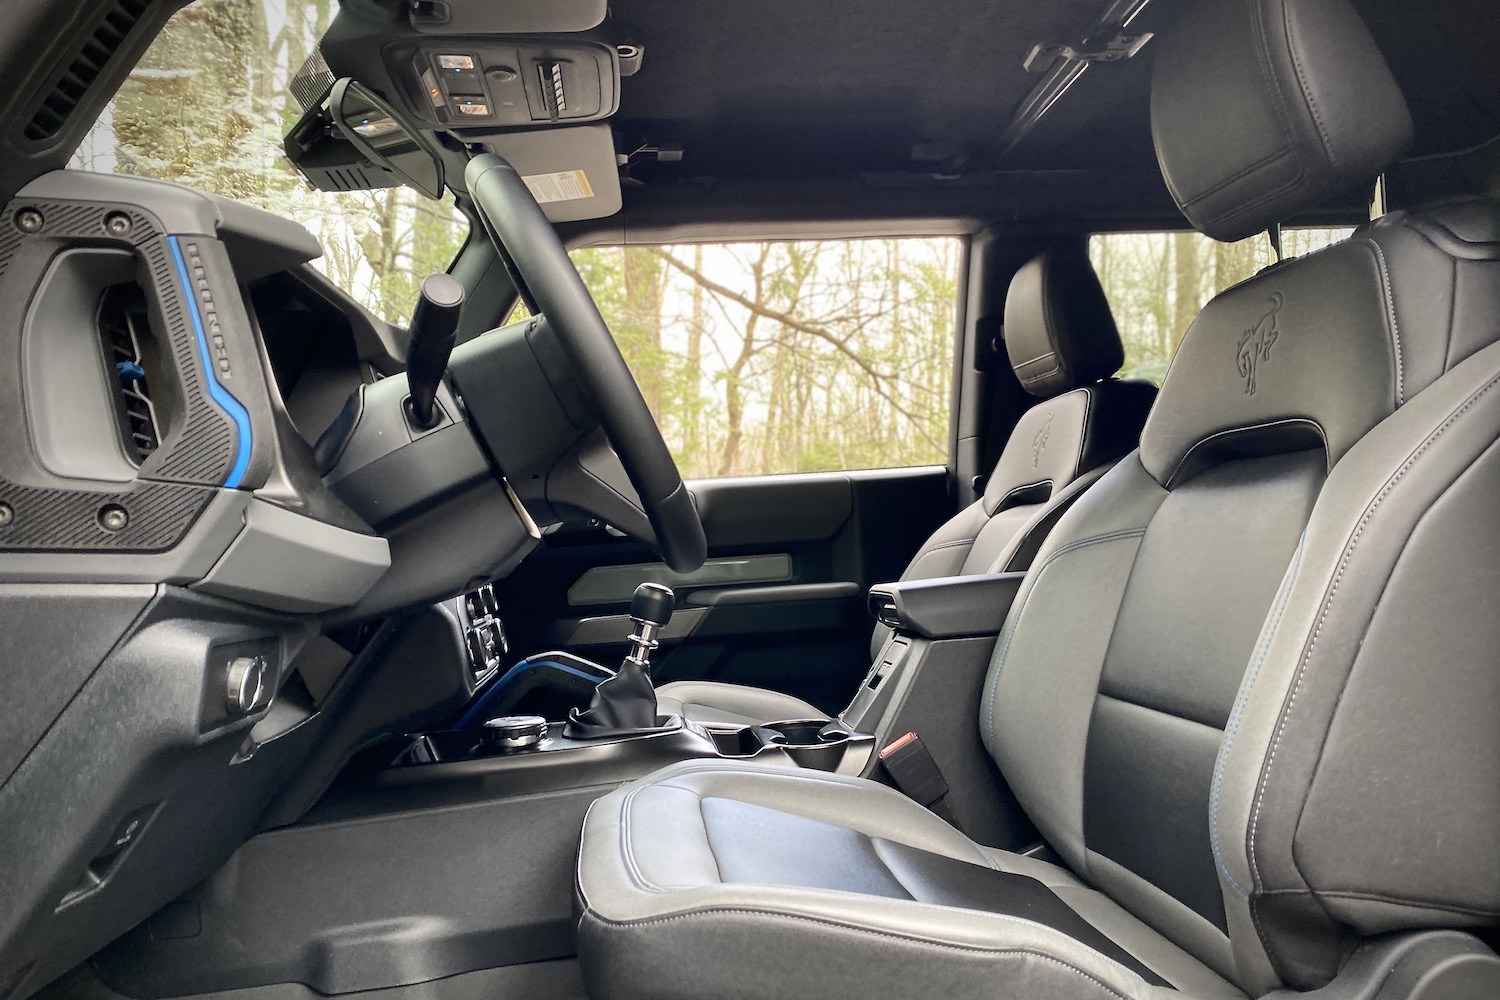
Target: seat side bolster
(1269, 834)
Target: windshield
(207, 108)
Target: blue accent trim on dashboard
(478, 707)
(220, 395)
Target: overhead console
(511, 81)
(472, 64)
(535, 82)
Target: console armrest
(947, 607)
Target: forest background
(755, 358)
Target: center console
(573, 762)
(458, 854)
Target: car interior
(405, 594)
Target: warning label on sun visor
(565, 185)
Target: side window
(1157, 283)
(763, 358)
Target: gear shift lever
(626, 703)
(650, 610)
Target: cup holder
(806, 733)
(815, 743)
(742, 741)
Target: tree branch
(791, 322)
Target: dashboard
(185, 520)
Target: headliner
(780, 88)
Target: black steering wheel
(516, 223)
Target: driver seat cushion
(715, 703)
(821, 877)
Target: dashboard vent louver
(56, 108)
(123, 326)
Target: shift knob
(652, 603)
(434, 325)
(650, 609)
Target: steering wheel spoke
(631, 480)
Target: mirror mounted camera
(354, 141)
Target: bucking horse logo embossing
(1040, 441)
(1256, 343)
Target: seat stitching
(1039, 357)
(1306, 91)
(578, 861)
(1230, 431)
(1389, 295)
(1013, 621)
(891, 935)
(642, 883)
(1083, 438)
(1425, 904)
(718, 872)
(1049, 326)
(1064, 497)
(1235, 718)
(1288, 148)
(1344, 561)
(947, 545)
(712, 767)
(1019, 489)
(627, 845)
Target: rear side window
(764, 358)
(1157, 283)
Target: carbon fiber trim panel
(198, 447)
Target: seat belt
(910, 765)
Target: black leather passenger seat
(1248, 690)
(1065, 349)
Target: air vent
(59, 104)
(484, 632)
(123, 329)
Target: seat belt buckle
(916, 774)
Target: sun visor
(571, 171)
(485, 17)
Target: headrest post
(1274, 235)
(1377, 199)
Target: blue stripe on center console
(220, 395)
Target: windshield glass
(207, 108)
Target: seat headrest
(1261, 109)
(1059, 332)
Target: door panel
(779, 604)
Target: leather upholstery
(1252, 372)
(731, 704)
(1247, 691)
(769, 877)
(1055, 307)
(1059, 331)
(1262, 108)
(1143, 619)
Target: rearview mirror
(379, 132)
